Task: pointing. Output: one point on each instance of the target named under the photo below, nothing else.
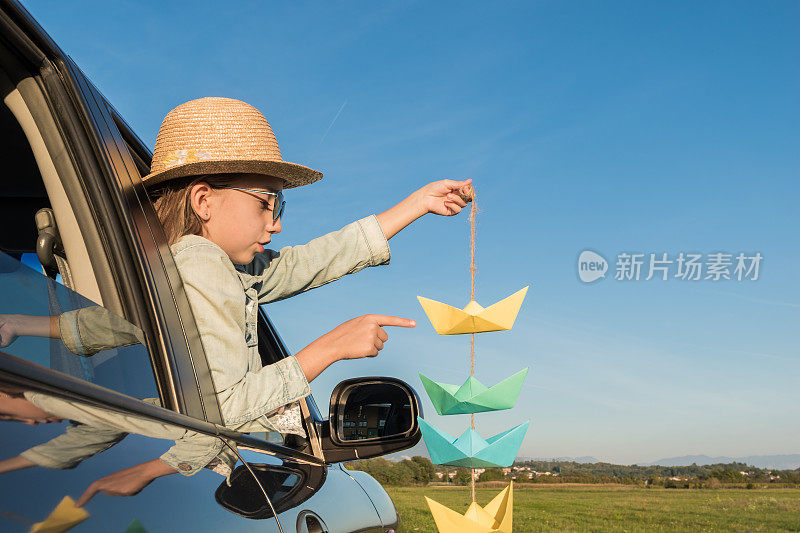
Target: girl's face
(239, 222)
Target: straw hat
(220, 136)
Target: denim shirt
(224, 299)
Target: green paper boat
(135, 527)
(473, 396)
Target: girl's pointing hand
(359, 337)
(364, 336)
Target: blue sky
(585, 125)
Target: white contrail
(333, 121)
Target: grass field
(615, 508)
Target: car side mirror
(370, 417)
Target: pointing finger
(88, 495)
(389, 320)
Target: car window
(47, 324)
(51, 310)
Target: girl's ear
(199, 197)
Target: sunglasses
(277, 208)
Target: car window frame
(47, 104)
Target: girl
(218, 178)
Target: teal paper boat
(470, 449)
(473, 396)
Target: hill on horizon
(778, 462)
(584, 459)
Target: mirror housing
(399, 404)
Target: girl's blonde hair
(174, 206)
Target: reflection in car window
(67, 435)
(45, 323)
(92, 429)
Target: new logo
(591, 266)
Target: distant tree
(492, 474)
(654, 481)
(379, 468)
(463, 475)
(427, 469)
(404, 473)
(727, 475)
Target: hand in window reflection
(89, 329)
(128, 482)
(8, 331)
(14, 407)
(13, 326)
(15, 463)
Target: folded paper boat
(470, 449)
(497, 516)
(65, 516)
(448, 320)
(473, 396)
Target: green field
(615, 508)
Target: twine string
(472, 269)
(472, 215)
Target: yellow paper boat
(65, 516)
(447, 320)
(495, 517)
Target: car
(78, 233)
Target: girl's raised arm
(444, 197)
